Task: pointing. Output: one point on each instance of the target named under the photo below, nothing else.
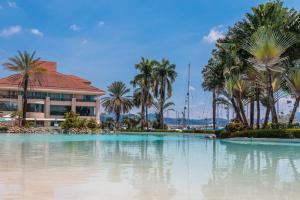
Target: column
(73, 105)
(20, 103)
(47, 107)
(98, 111)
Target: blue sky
(101, 40)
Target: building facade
(51, 94)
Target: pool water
(146, 167)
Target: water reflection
(254, 171)
(145, 168)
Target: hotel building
(51, 94)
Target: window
(35, 107)
(86, 110)
(59, 110)
(8, 106)
(88, 98)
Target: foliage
(143, 82)
(263, 133)
(255, 61)
(164, 76)
(72, 120)
(28, 124)
(27, 65)
(92, 124)
(118, 100)
(109, 123)
(234, 126)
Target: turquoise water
(146, 167)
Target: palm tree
(168, 105)
(144, 79)
(165, 76)
(267, 47)
(213, 81)
(293, 83)
(139, 100)
(118, 101)
(27, 65)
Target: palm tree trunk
(161, 115)
(236, 109)
(142, 116)
(214, 105)
(25, 88)
(162, 100)
(252, 113)
(146, 109)
(146, 116)
(118, 120)
(257, 108)
(271, 99)
(266, 117)
(242, 111)
(296, 105)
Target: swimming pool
(146, 167)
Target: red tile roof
(52, 80)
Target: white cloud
(12, 30)
(12, 4)
(37, 32)
(74, 27)
(192, 88)
(101, 23)
(214, 34)
(83, 42)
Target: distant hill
(172, 121)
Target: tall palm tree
(267, 47)
(165, 76)
(144, 80)
(27, 65)
(139, 100)
(168, 105)
(293, 83)
(118, 101)
(213, 81)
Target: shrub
(82, 123)
(234, 126)
(279, 126)
(28, 124)
(71, 120)
(263, 133)
(294, 132)
(92, 124)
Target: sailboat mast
(188, 94)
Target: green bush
(294, 132)
(279, 126)
(263, 133)
(71, 120)
(82, 123)
(92, 124)
(28, 124)
(235, 126)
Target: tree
(27, 65)
(293, 83)
(164, 77)
(267, 47)
(140, 101)
(168, 105)
(118, 101)
(213, 81)
(144, 81)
